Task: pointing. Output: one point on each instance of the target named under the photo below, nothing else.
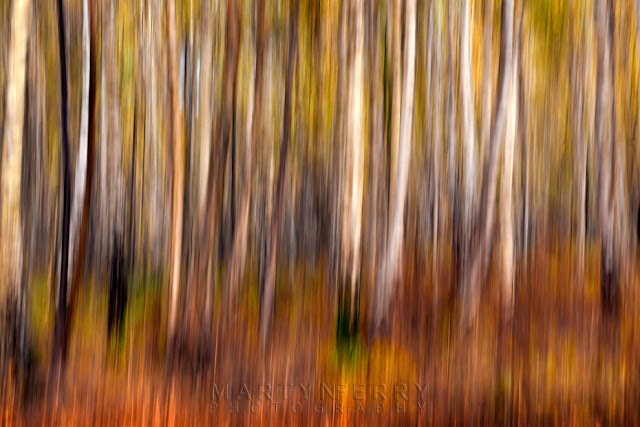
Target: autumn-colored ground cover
(556, 362)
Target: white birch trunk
(506, 192)
(399, 190)
(81, 162)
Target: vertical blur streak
(400, 179)
(266, 306)
(176, 136)
(59, 356)
(81, 162)
(436, 140)
(238, 250)
(604, 126)
(637, 212)
(332, 192)
(506, 182)
(205, 113)
(470, 155)
(487, 74)
(354, 147)
(114, 193)
(577, 69)
(11, 223)
(481, 238)
(81, 245)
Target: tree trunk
(206, 80)
(391, 264)
(205, 133)
(468, 114)
(115, 185)
(354, 157)
(578, 79)
(396, 88)
(604, 128)
(104, 126)
(176, 141)
(155, 205)
(12, 138)
(528, 158)
(266, 308)
(469, 141)
(376, 146)
(228, 122)
(61, 324)
(225, 136)
(456, 229)
(481, 234)
(238, 252)
(337, 164)
(81, 162)
(437, 156)
(487, 74)
(638, 119)
(81, 244)
(506, 190)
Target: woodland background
(431, 191)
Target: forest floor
(555, 362)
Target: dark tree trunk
(61, 347)
(61, 325)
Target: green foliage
(349, 348)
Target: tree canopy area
(312, 212)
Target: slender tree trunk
(452, 112)
(104, 126)
(468, 114)
(337, 164)
(61, 323)
(620, 213)
(131, 238)
(396, 82)
(176, 140)
(206, 80)
(487, 73)
(11, 251)
(354, 157)
(391, 264)
(238, 252)
(469, 142)
(81, 162)
(481, 233)
(205, 133)
(115, 186)
(153, 219)
(638, 118)
(225, 136)
(228, 124)
(81, 244)
(266, 307)
(506, 190)
(578, 66)
(604, 127)
(437, 156)
(187, 102)
(376, 134)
